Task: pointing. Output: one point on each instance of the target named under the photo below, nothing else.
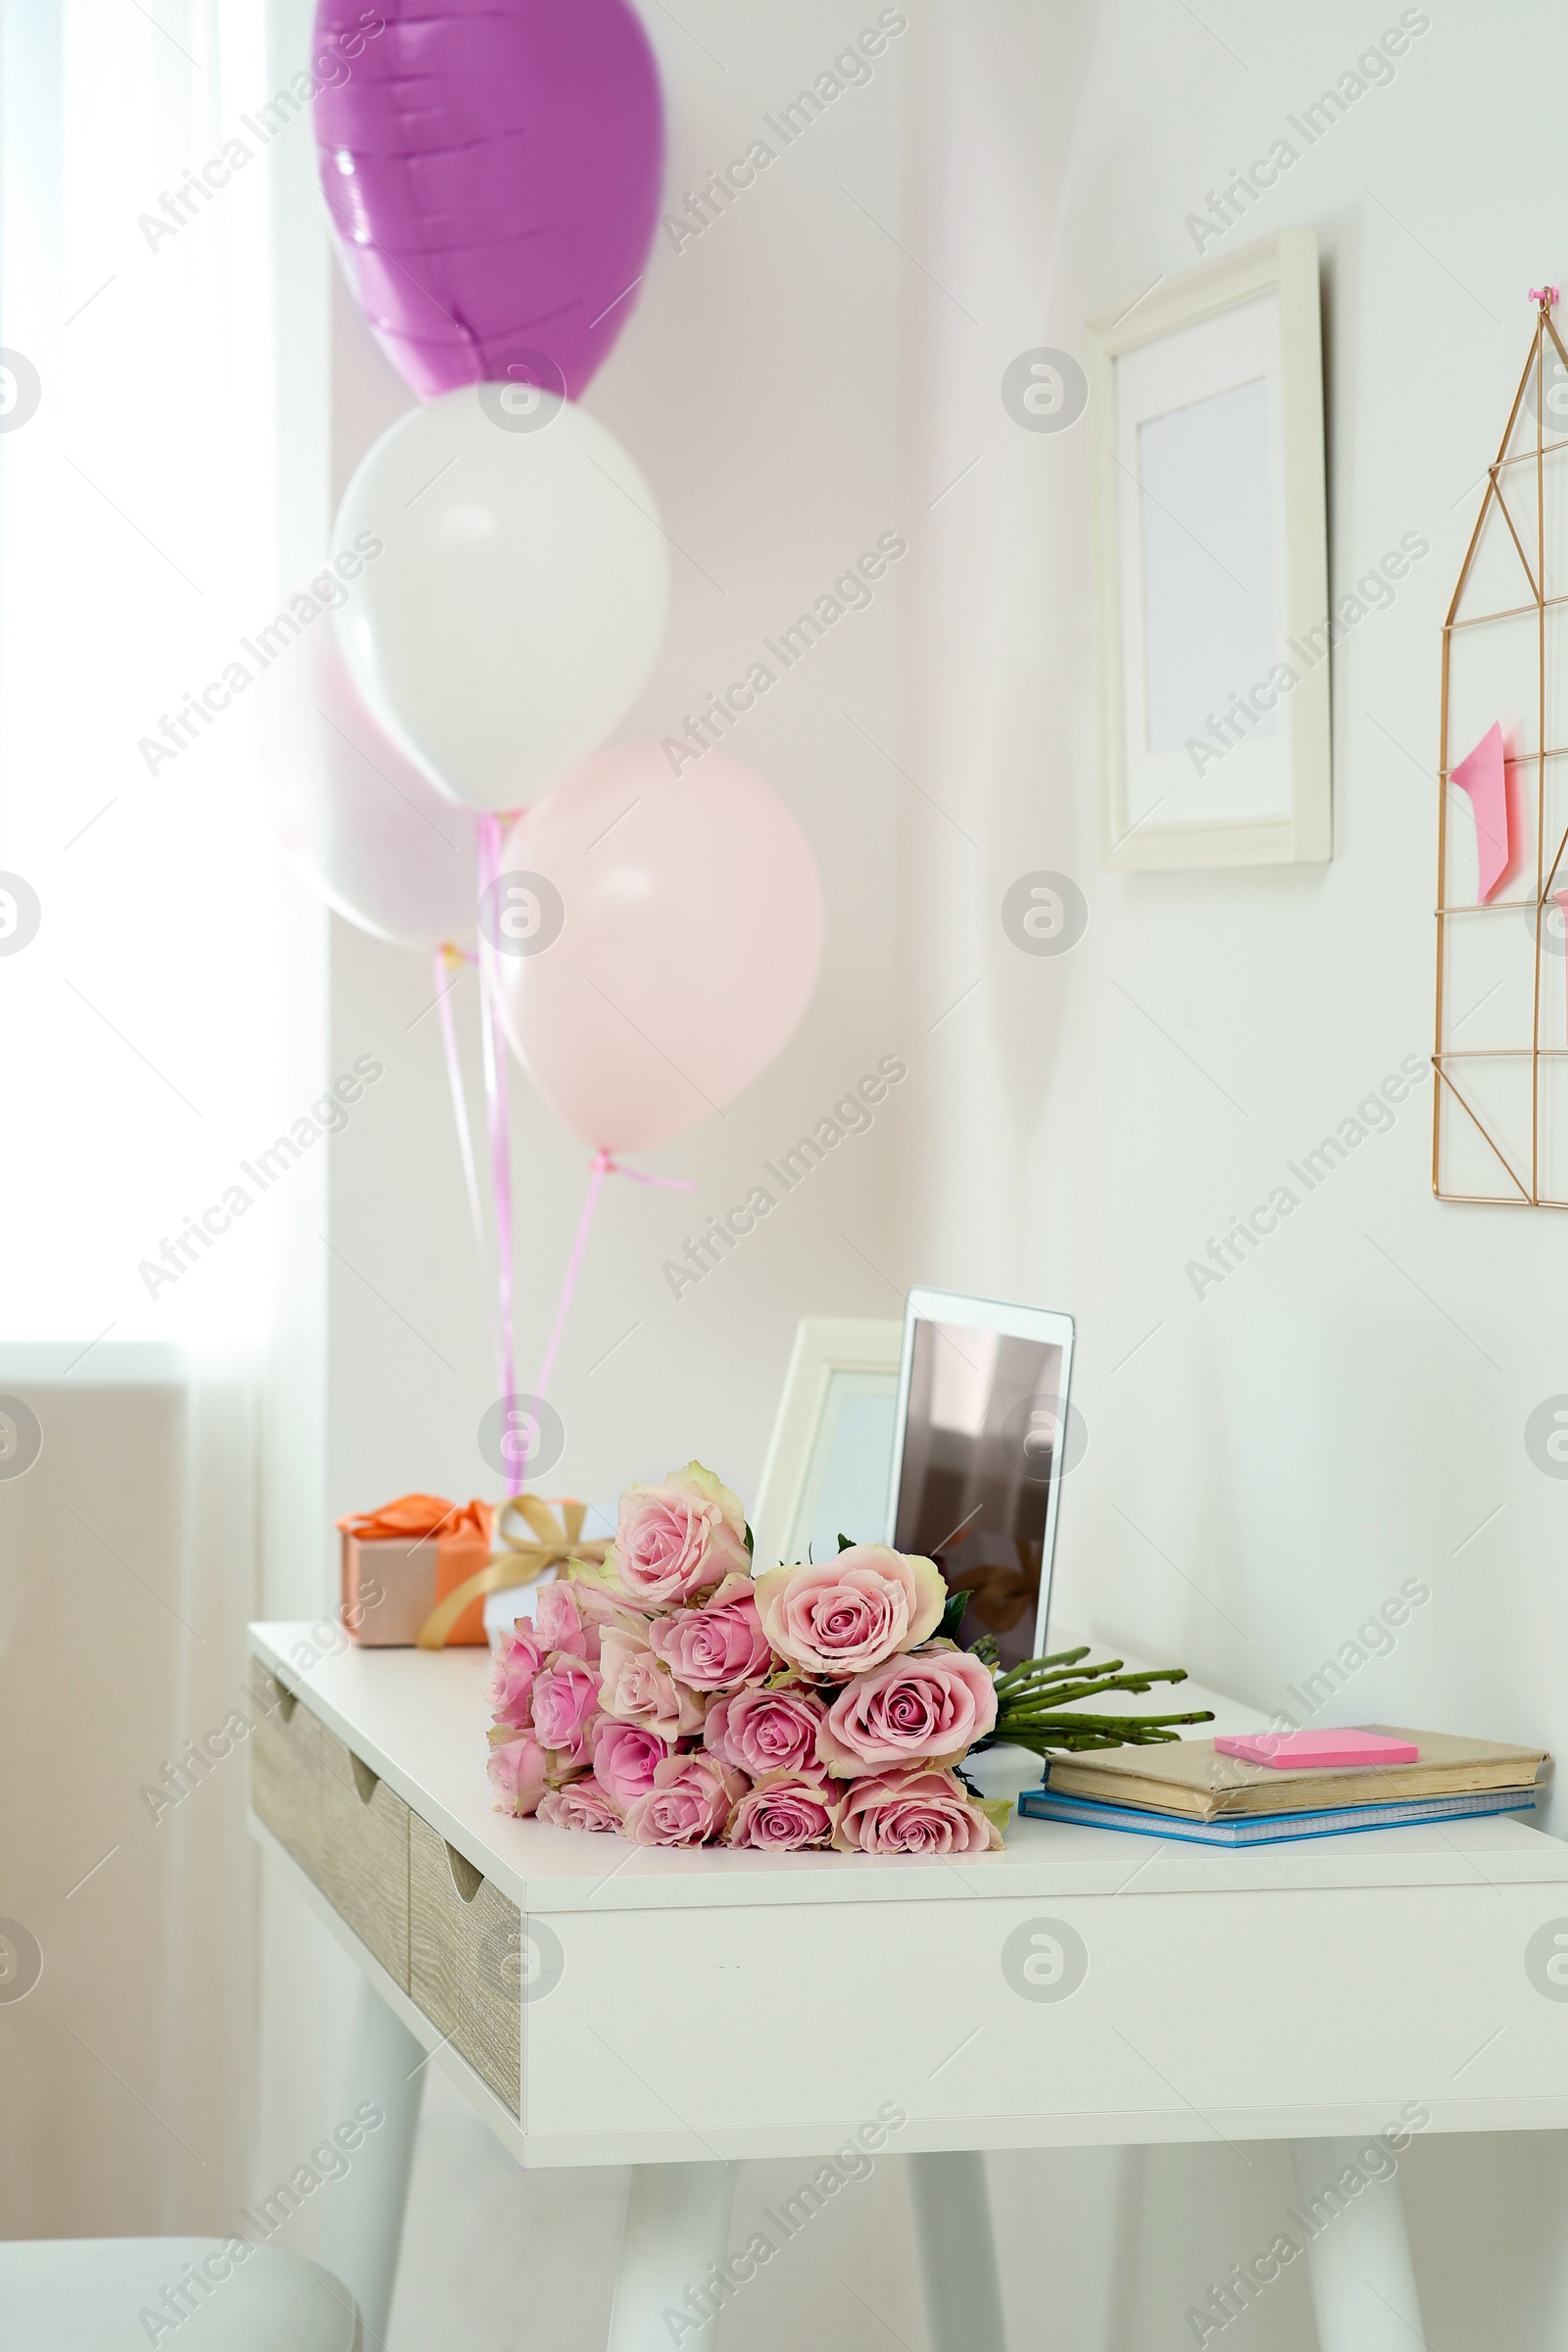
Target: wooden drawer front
(465, 1945)
(287, 1775)
(363, 1868)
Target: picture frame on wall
(826, 1472)
(1210, 554)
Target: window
(138, 497)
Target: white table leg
(957, 2252)
(672, 2281)
(361, 2217)
(1363, 2281)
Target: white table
(682, 2011)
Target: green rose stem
(1036, 1666)
(1036, 1705)
(1079, 1732)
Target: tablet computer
(979, 1448)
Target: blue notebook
(1271, 1829)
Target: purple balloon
(493, 171)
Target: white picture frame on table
(1210, 557)
(832, 1442)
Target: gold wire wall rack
(1499, 1113)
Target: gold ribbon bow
(522, 1561)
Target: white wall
(1347, 1410)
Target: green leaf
(846, 1543)
(751, 1539)
(952, 1616)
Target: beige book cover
(1187, 1777)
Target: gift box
(404, 1562)
(417, 1571)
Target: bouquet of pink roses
(673, 1697)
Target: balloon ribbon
(605, 1163)
(449, 962)
(495, 1090)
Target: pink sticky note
(1481, 774)
(1294, 1750)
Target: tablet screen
(981, 1443)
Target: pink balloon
(492, 168)
(659, 937)
(373, 836)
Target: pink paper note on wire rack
(1480, 773)
(1295, 1750)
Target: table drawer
(364, 1870)
(342, 1824)
(465, 1960)
(287, 1774)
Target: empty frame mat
(1202, 539)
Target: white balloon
(512, 605)
(373, 835)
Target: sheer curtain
(148, 953)
(138, 506)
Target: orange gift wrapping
(402, 1562)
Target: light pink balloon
(373, 836)
(690, 933)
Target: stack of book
(1188, 1790)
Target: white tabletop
(419, 1720)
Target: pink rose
(565, 1700)
(838, 1618)
(689, 1803)
(559, 1623)
(579, 1805)
(718, 1647)
(764, 1731)
(637, 1688)
(518, 1770)
(600, 1601)
(931, 1707)
(784, 1812)
(626, 1755)
(680, 1538)
(513, 1670)
(919, 1812)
